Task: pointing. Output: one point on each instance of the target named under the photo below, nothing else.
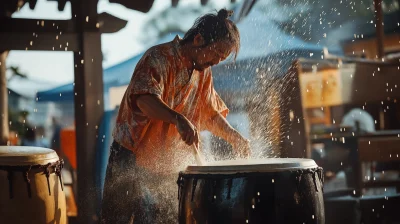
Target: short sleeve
(147, 78)
(213, 104)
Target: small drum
(31, 189)
(277, 190)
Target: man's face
(211, 54)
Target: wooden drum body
(252, 191)
(31, 189)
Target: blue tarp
(117, 75)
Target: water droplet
(273, 181)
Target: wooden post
(4, 128)
(88, 101)
(379, 28)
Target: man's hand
(153, 107)
(187, 130)
(220, 127)
(241, 145)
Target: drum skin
(31, 192)
(291, 196)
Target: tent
(117, 75)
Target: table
(380, 146)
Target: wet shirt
(157, 144)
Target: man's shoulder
(162, 53)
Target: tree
(312, 20)
(174, 19)
(15, 72)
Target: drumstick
(199, 159)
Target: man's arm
(155, 108)
(220, 127)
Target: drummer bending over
(169, 100)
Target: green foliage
(16, 72)
(17, 121)
(310, 20)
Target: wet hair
(215, 27)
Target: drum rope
(180, 184)
(25, 169)
(230, 181)
(27, 180)
(58, 173)
(47, 173)
(194, 187)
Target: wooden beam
(107, 23)
(36, 25)
(34, 34)
(38, 41)
(89, 106)
(49, 35)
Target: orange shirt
(157, 144)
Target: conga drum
(278, 190)
(31, 189)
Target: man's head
(212, 38)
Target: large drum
(275, 190)
(31, 189)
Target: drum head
(24, 155)
(254, 165)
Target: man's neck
(186, 56)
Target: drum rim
(43, 156)
(251, 168)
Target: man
(169, 100)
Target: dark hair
(215, 27)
